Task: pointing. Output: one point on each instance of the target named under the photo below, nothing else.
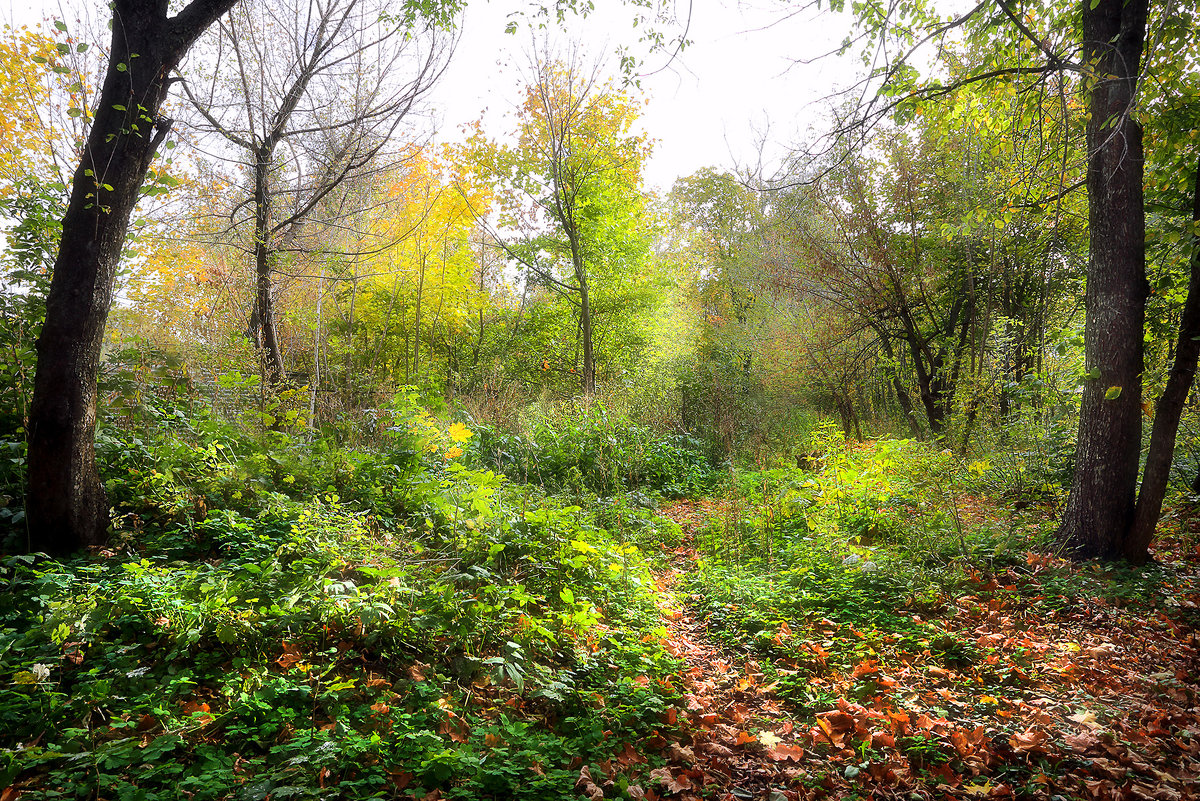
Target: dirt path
(734, 737)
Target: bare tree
(310, 95)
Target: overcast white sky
(738, 83)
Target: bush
(589, 451)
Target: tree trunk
(269, 352)
(1170, 407)
(902, 396)
(588, 379)
(67, 506)
(1099, 513)
(585, 324)
(416, 355)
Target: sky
(737, 83)
(737, 91)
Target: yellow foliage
(46, 105)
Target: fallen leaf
(1085, 718)
(1028, 741)
(291, 655)
(672, 783)
(769, 739)
(785, 752)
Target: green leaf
(62, 26)
(227, 633)
(1112, 393)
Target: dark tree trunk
(269, 353)
(1170, 407)
(589, 356)
(902, 396)
(588, 379)
(1099, 513)
(67, 506)
(930, 385)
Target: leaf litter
(1090, 701)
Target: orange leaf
(784, 752)
(837, 721)
(291, 655)
(865, 667)
(1028, 741)
(744, 737)
(882, 739)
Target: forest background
(467, 369)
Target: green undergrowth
(864, 558)
(593, 451)
(287, 619)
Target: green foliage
(854, 556)
(290, 618)
(25, 266)
(590, 450)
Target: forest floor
(876, 629)
(1093, 700)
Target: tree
(1172, 118)
(66, 505)
(571, 189)
(1099, 515)
(728, 219)
(1098, 520)
(422, 289)
(310, 95)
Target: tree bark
(585, 324)
(67, 506)
(1099, 514)
(269, 353)
(1170, 407)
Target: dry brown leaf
(1028, 741)
(715, 749)
(671, 782)
(784, 752)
